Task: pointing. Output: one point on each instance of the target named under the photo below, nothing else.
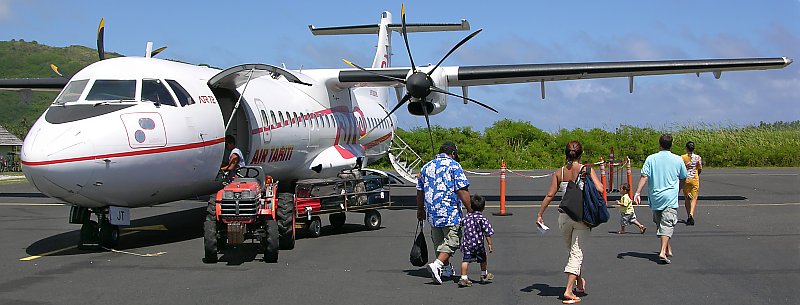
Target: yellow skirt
(691, 188)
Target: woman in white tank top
(575, 232)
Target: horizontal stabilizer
(397, 27)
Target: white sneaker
(448, 271)
(436, 272)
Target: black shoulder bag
(572, 200)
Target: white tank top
(563, 186)
(241, 157)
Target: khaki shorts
(446, 239)
(691, 188)
(665, 221)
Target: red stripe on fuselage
(128, 153)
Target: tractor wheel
(109, 234)
(270, 242)
(337, 220)
(210, 239)
(285, 215)
(314, 227)
(372, 219)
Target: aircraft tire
(285, 216)
(210, 239)
(109, 235)
(270, 242)
(89, 235)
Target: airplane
(133, 132)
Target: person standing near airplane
(235, 159)
(694, 165)
(442, 188)
(662, 172)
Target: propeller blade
(350, 63)
(436, 89)
(55, 69)
(405, 37)
(100, 30)
(402, 101)
(156, 51)
(454, 49)
(428, 122)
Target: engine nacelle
(435, 102)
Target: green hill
(21, 59)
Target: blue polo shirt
(664, 171)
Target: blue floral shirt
(476, 228)
(439, 179)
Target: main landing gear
(95, 234)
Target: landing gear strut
(95, 234)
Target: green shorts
(446, 239)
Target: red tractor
(249, 207)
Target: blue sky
(227, 33)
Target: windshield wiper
(114, 101)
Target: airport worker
(694, 165)
(442, 188)
(235, 159)
(575, 232)
(476, 229)
(662, 172)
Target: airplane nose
(54, 160)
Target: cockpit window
(153, 90)
(112, 89)
(72, 92)
(183, 96)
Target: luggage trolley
(350, 192)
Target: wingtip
(787, 60)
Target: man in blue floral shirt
(442, 188)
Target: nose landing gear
(95, 234)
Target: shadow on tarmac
(545, 290)
(181, 226)
(652, 256)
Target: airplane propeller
(419, 84)
(101, 53)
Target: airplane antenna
(236, 107)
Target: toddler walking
(627, 214)
(476, 228)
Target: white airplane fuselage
(96, 152)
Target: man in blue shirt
(441, 190)
(663, 172)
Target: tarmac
(744, 249)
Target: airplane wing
(464, 76)
(36, 84)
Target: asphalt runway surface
(745, 249)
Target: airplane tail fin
(383, 29)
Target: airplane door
(266, 133)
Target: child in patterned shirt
(476, 228)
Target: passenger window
(153, 90)
(272, 114)
(288, 119)
(264, 118)
(304, 117)
(296, 119)
(183, 96)
(107, 89)
(72, 92)
(328, 120)
(282, 121)
(316, 120)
